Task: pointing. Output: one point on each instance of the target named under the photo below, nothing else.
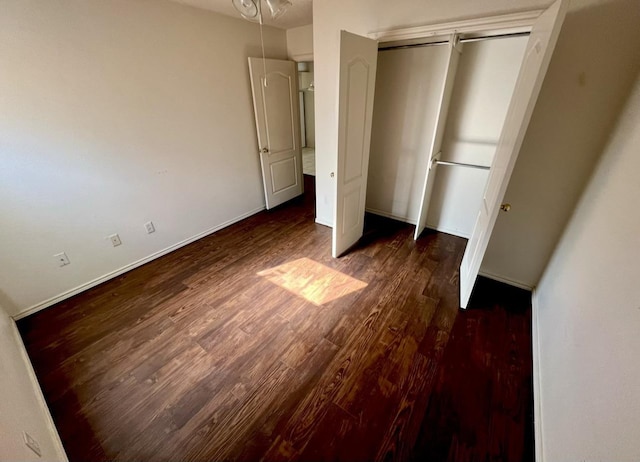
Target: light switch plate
(150, 227)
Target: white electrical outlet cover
(115, 240)
(62, 259)
(150, 227)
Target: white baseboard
(446, 230)
(322, 222)
(99, 280)
(55, 437)
(511, 282)
(537, 391)
(391, 215)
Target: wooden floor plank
(255, 344)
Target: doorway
(307, 117)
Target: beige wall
(22, 407)
(588, 313)
(114, 113)
(300, 43)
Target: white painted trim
(537, 390)
(502, 24)
(511, 282)
(390, 215)
(38, 391)
(322, 222)
(301, 58)
(446, 230)
(99, 280)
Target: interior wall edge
(55, 436)
(124, 269)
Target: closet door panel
(358, 59)
(438, 135)
(540, 47)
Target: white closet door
(278, 125)
(542, 41)
(438, 134)
(358, 60)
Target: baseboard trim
(322, 222)
(537, 391)
(391, 215)
(448, 231)
(511, 282)
(53, 431)
(99, 280)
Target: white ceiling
(299, 14)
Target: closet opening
(440, 143)
(440, 105)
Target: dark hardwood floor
(253, 343)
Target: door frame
(512, 23)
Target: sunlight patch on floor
(312, 281)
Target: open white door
(358, 60)
(275, 102)
(542, 41)
(441, 122)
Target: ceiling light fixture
(252, 9)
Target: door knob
(505, 207)
(265, 150)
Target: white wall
(362, 17)
(300, 43)
(485, 79)
(588, 313)
(408, 86)
(22, 406)
(114, 113)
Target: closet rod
(491, 37)
(461, 164)
(463, 40)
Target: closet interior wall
(408, 85)
(407, 98)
